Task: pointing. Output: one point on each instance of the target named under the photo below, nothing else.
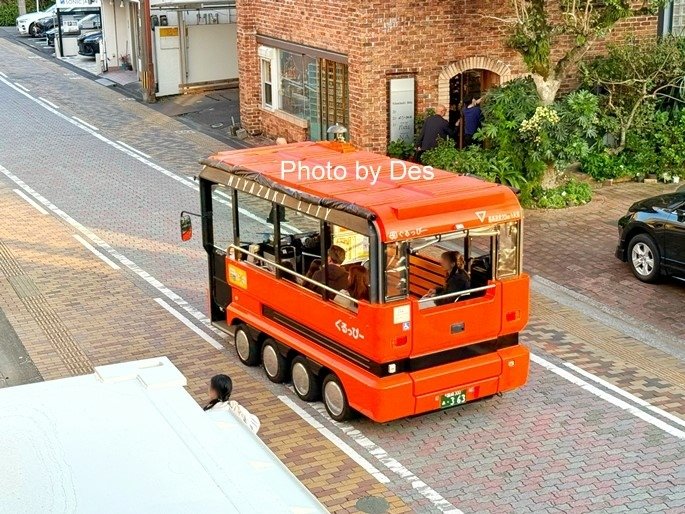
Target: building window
(267, 87)
(310, 88)
(673, 18)
(292, 98)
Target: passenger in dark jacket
(434, 127)
(457, 278)
(337, 275)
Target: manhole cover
(217, 125)
(373, 505)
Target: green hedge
(9, 10)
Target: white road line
(392, 464)
(22, 87)
(30, 201)
(203, 319)
(125, 261)
(95, 252)
(342, 445)
(3, 75)
(626, 394)
(156, 167)
(180, 317)
(49, 103)
(609, 398)
(85, 123)
(134, 149)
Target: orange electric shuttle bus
(284, 225)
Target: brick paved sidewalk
(575, 248)
(73, 312)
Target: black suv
(652, 236)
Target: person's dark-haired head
(358, 282)
(220, 387)
(336, 255)
(469, 100)
(313, 268)
(449, 260)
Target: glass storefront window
(292, 83)
(313, 89)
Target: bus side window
(255, 229)
(396, 271)
(222, 217)
(300, 241)
(508, 250)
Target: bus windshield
(412, 268)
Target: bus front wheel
(246, 347)
(304, 381)
(335, 399)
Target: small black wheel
(33, 30)
(275, 365)
(644, 258)
(246, 347)
(305, 382)
(335, 399)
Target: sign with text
(69, 4)
(402, 109)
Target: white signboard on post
(70, 4)
(402, 109)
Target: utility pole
(22, 7)
(147, 73)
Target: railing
(457, 294)
(294, 273)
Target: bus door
(217, 220)
(474, 315)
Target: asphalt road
(564, 443)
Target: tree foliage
(633, 74)
(552, 36)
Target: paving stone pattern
(549, 447)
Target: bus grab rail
(291, 272)
(457, 294)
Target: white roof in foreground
(129, 438)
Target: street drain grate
(373, 505)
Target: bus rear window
(508, 250)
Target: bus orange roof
(405, 207)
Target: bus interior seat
(424, 275)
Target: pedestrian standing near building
(473, 117)
(434, 127)
(220, 388)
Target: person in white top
(220, 388)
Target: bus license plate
(452, 399)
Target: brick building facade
(305, 65)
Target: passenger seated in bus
(337, 275)
(313, 268)
(357, 287)
(457, 278)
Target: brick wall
(383, 39)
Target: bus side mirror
(186, 227)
